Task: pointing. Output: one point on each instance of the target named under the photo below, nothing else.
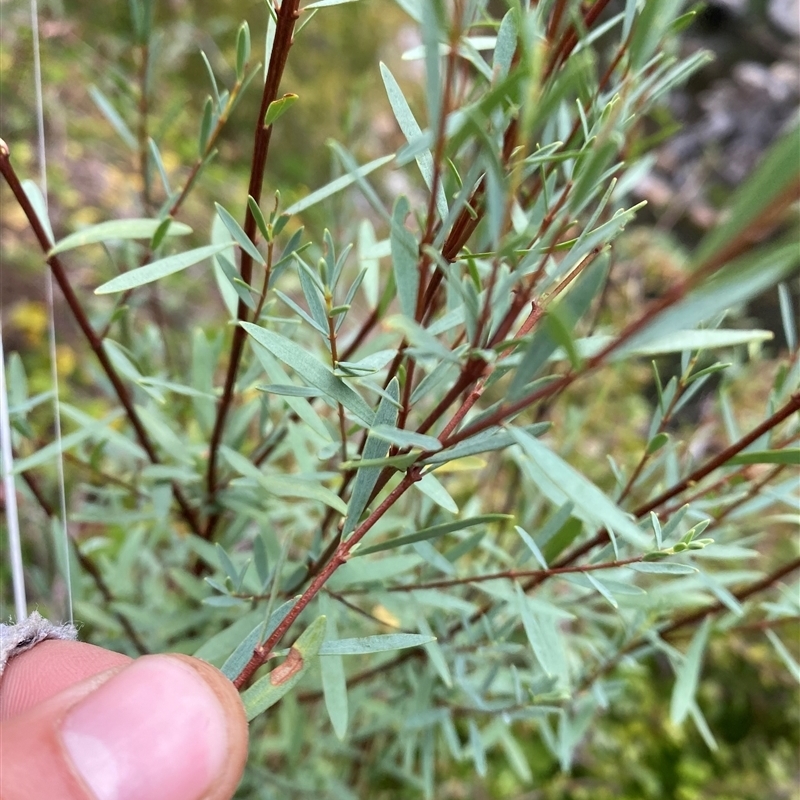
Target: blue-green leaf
(374, 644)
(311, 370)
(336, 186)
(558, 478)
(334, 683)
(404, 258)
(688, 675)
(375, 447)
(117, 229)
(271, 688)
(237, 660)
(239, 236)
(159, 269)
(411, 130)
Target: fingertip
(165, 726)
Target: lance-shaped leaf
(411, 130)
(433, 532)
(404, 258)
(311, 370)
(337, 185)
(380, 643)
(159, 269)
(271, 688)
(283, 486)
(558, 478)
(117, 229)
(688, 675)
(240, 237)
(334, 682)
(375, 447)
(235, 663)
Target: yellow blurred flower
(31, 319)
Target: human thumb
(162, 727)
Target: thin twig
(284, 30)
(60, 274)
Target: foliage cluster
(429, 462)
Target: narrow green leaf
(435, 652)
(736, 283)
(205, 127)
(542, 633)
(788, 455)
(405, 253)
(374, 448)
(227, 565)
(485, 442)
(117, 229)
(242, 50)
(337, 185)
(271, 688)
(239, 236)
(159, 269)
(411, 130)
(277, 108)
(430, 486)
(334, 683)
(113, 116)
(477, 749)
(68, 441)
(783, 652)
(304, 410)
(326, 3)
(688, 675)
(284, 486)
(656, 443)
(434, 532)
(775, 173)
(558, 478)
(258, 216)
(662, 567)
(243, 291)
(404, 438)
(602, 590)
(36, 198)
(369, 364)
(532, 546)
(788, 317)
(311, 370)
(261, 561)
(374, 644)
(505, 46)
(290, 390)
(235, 663)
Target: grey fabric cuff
(16, 639)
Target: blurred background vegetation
(704, 140)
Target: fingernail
(155, 730)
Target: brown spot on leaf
(292, 665)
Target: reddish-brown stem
(555, 18)
(60, 274)
(284, 29)
(340, 556)
(510, 574)
(438, 154)
(570, 38)
(692, 618)
(791, 407)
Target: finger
(47, 669)
(160, 728)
